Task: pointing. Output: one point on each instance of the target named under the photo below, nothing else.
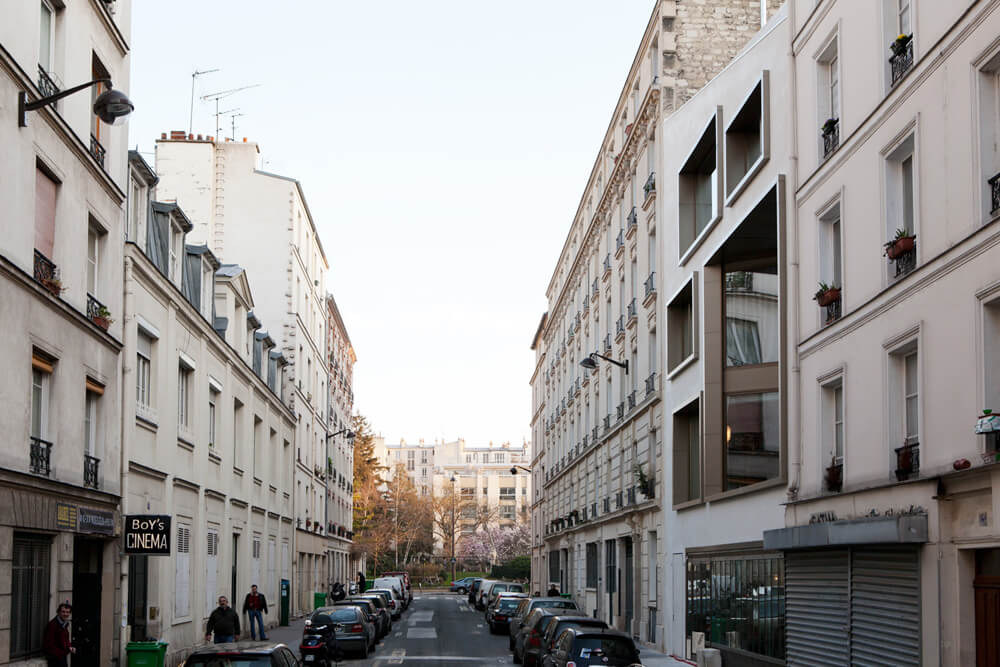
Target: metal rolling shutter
(816, 608)
(885, 606)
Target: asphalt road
(437, 629)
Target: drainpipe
(791, 231)
(127, 369)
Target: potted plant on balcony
(834, 476)
(829, 126)
(645, 483)
(988, 424)
(906, 461)
(53, 284)
(902, 243)
(898, 45)
(826, 294)
(102, 318)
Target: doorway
(236, 553)
(88, 556)
(138, 582)
(987, 593)
(629, 593)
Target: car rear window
(620, 648)
(339, 616)
(561, 604)
(507, 605)
(235, 660)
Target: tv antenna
(195, 75)
(233, 120)
(220, 95)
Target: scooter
(319, 646)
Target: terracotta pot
(103, 322)
(901, 247)
(828, 297)
(52, 286)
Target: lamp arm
(620, 364)
(41, 102)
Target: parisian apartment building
(826, 441)
(233, 205)
(601, 404)
(209, 434)
(62, 184)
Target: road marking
(399, 634)
(421, 633)
(398, 655)
(479, 625)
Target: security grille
(29, 594)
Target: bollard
(709, 657)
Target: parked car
(529, 639)
(474, 589)
(462, 585)
(484, 587)
(250, 653)
(500, 587)
(396, 583)
(371, 612)
(499, 613)
(395, 601)
(561, 605)
(349, 625)
(406, 583)
(554, 626)
(583, 647)
(382, 606)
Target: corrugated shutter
(816, 608)
(885, 606)
(182, 573)
(211, 570)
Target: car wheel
(364, 650)
(462, 591)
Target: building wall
(340, 450)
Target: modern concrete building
(262, 221)
(723, 278)
(600, 471)
(340, 360)
(891, 521)
(208, 436)
(62, 188)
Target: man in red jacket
(56, 642)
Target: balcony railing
(607, 343)
(607, 263)
(907, 461)
(831, 137)
(45, 268)
(97, 150)
(630, 495)
(595, 290)
(631, 399)
(585, 306)
(620, 411)
(633, 311)
(583, 444)
(91, 478)
(833, 311)
(739, 281)
(906, 262)
(593, 509)
(40, 455)
(46, 85)
(633, 220)
(650, 285)
(620, 325)
(650, 185)
(594, 434)
(607, 422)
(994, 194)
(651, 383)
(901, 62)
(607, 505)
(94, 307)
(620, 241)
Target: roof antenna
(218, 96)
(194, 75)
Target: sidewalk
(650, 658)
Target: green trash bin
(319, 600)
(146, 654)
(568, 596)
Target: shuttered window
(211, 569)
(45, 213)
(29, 594)
(255, 564)
(182, 573)
(816, 607)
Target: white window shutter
(211, 570)
(182, 573)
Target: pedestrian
(55, 644)
(224, 622)
(253, 605)
(553, 592)
(361, 582)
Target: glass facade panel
(752, 442)
(751, 318)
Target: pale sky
(443, 148)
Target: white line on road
(446, 658)
(398, 655)
(421, 633)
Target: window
(213, 400)
(29, 600)
(687, 453)
(699, 192)
(829, 293)
(747, 139)
(900, 214)
(468, 458)
(90, 423)
(911, 396)
(136, 209)
(143, 368)
(828, 80)
(176, 250)
(98, 129)
(486, 490)
(752, 447)
(94, 235)
(592, 565)
(238, 436)
(39, 403)
(182, 572)
(46, 189)
(184, 374)
(681, 339)
(507, 492)
(46, 41)
(507, 512)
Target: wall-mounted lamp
(589, 362)
(349, 434)
(515, 468)
(111, 106)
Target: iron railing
(595, 290)
(620, 325)
(833, 311)
(831, 137)
(620, 411)
(607, 422)
(907, 461)
(90, 472)
(94, 306)
(607, 264)
(97, 150)
(631, 399)
(901, 62)
(650, 285)
(994, 194)
(607, 343)
(45, 268)
(633, 311)
(40, 456)
(632, 219)
(620, 240)
(651, 383)
(650, 185)
(585, 305)
(906, 262)
(46, 85)
(594, 434)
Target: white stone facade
(62, 180)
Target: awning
(905, 529)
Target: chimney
(199, 137)
(177, 135)
(163, 135)
(190, 137)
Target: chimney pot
(177, 135)
(190, 137)
(199, 137)
(163, 135)
(244, 139)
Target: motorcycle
(319, 646)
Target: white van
(395, 583)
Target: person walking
(553, 592)
(361, 582)
(55, 643)
(253, 606)
(224, 622)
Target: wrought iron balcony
(607, 343)
(618, 499)
(607, 263)
(620, 411)
(595, 290)
(620, 241)
(739, 281)
(594, 434)
(94, 307)
(907, 461)
(651, 383)
(633, 311)
(650, 285)
(620, 325)
(607, 422)
(576, 387)
(45, 268)
(583, 445)
(607, 505)
(901, 61)
(994, 194)
(40, 455)
(631, 399)
(632, 220)
(97, 150)
(833, 311)
(585, 306)
(91, 478)
(46, 85)
(831, 137)
(906, 262)
(593, 509)
(650, 185)
(630, 495)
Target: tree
(497, 544)
(410, 515)
(370, 509)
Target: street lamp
(453, 527)
(515, 468)
(590, 363)
(111, 106)
(349, 434)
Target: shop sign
(147, 534)
(95, 521)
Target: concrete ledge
(908, 529)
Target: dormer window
(175, 243)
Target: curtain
(742, 342)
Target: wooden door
(987, 620)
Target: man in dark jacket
(56, 644)
(224, 622)
(553, 592)
(253, 606)
(361, 582)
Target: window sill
(214, 458)
(693, 248)
(237, 471)
(688, 504)
(183, 443)
(747, 490)
(258, 481)
(679, 368)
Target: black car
(584, 647)
(371, 611)
(562, 605)
(344, 628)
(528, 644)
(243, 654)
(498, 616)
(382, 608)
(553, 626)
(474, 590)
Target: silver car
(352, 630)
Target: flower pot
(53, 286)
(824, 299)
(103, 322)
(900, 247)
